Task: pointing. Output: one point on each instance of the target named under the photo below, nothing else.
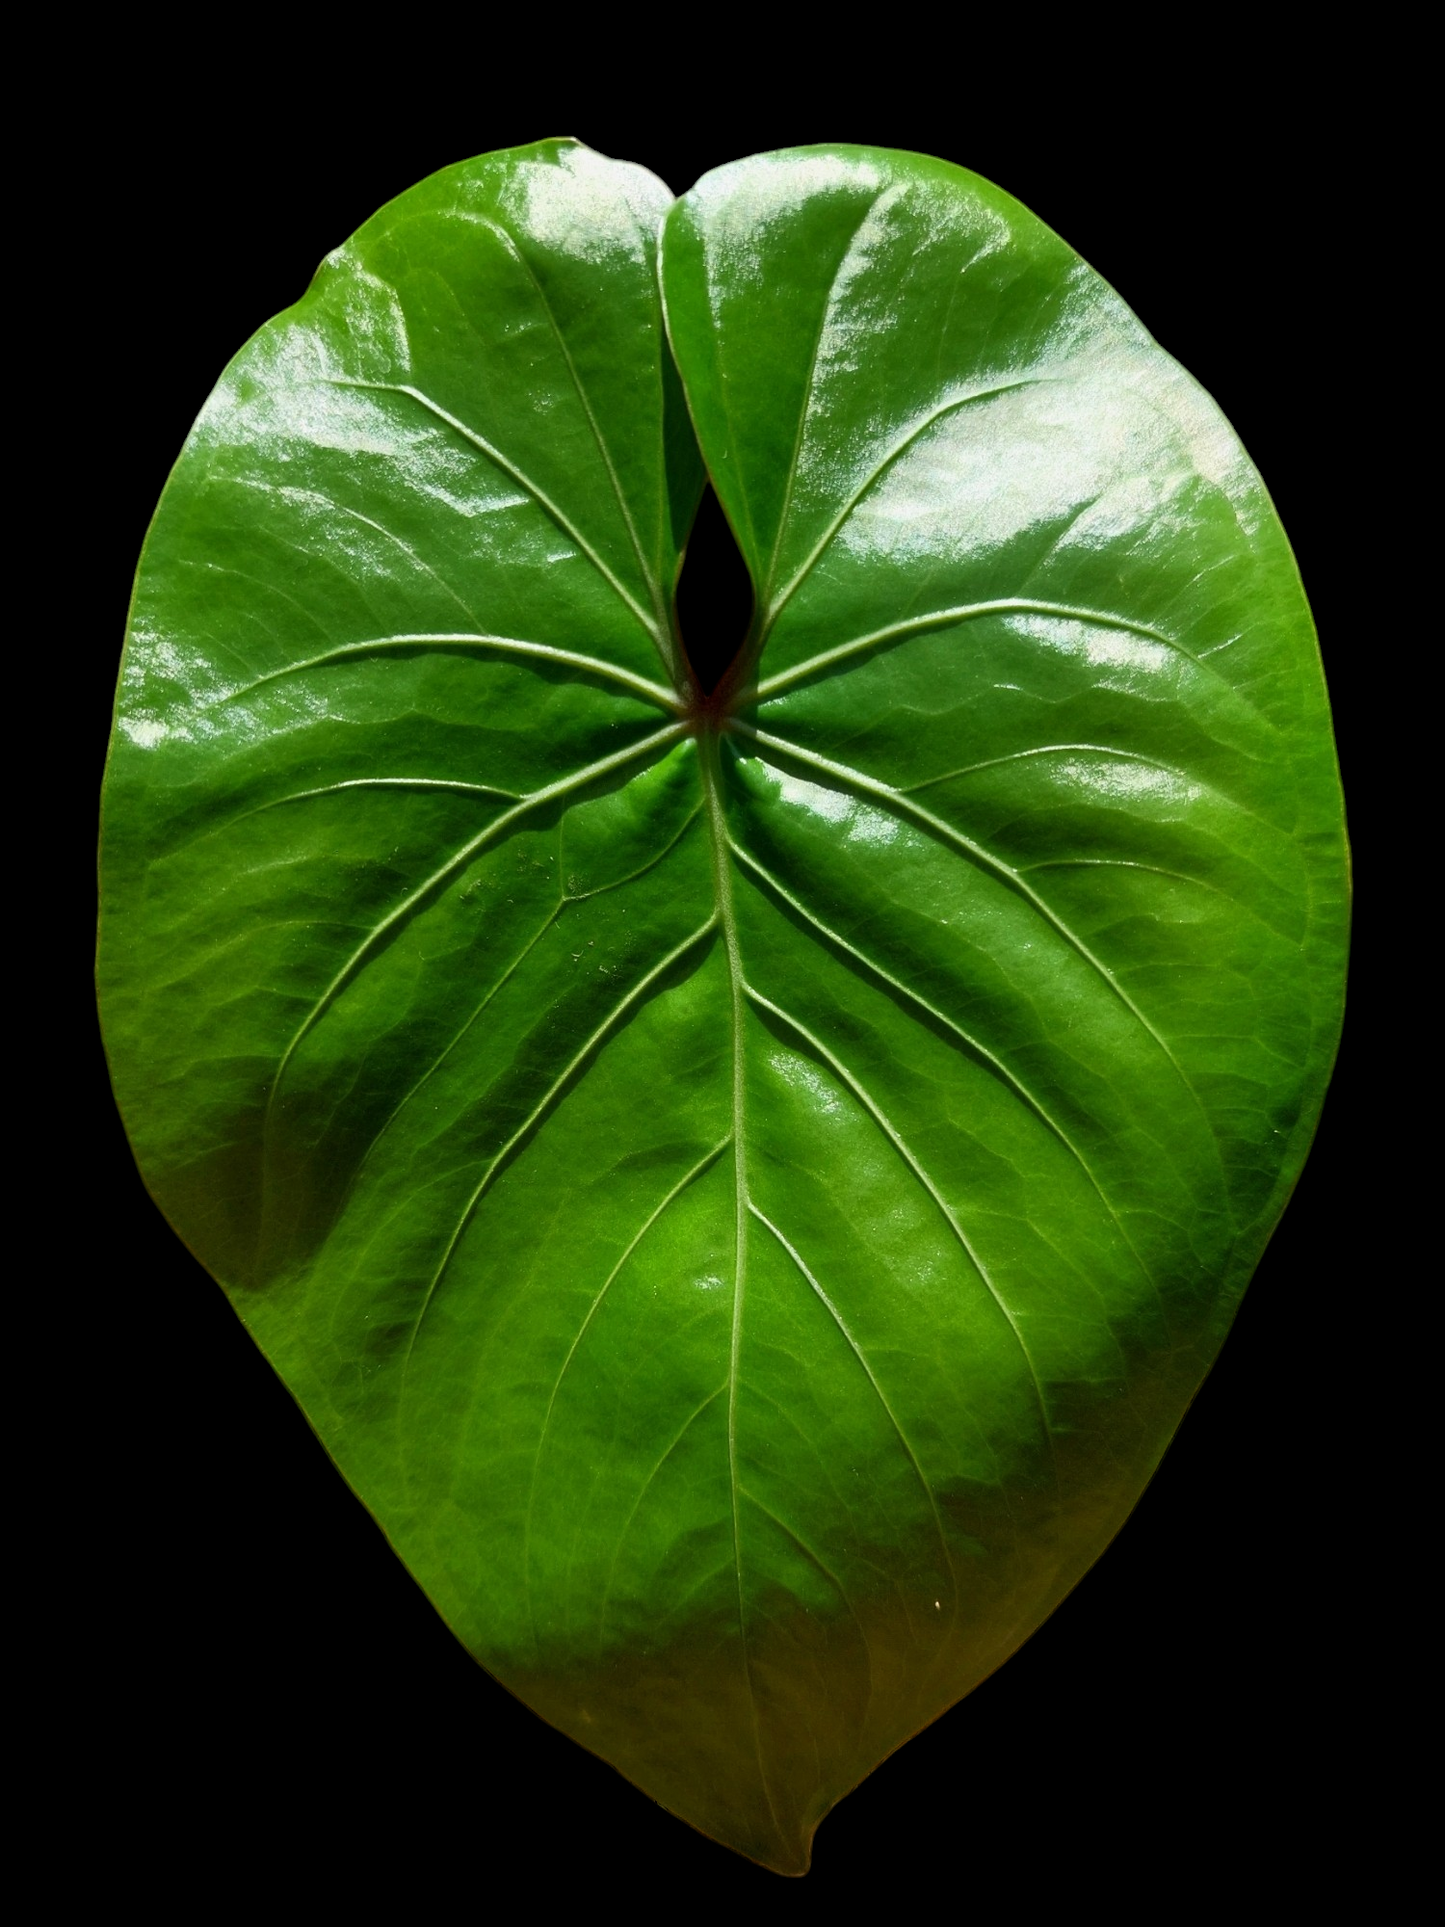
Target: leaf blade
(748, 1219)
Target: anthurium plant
(743, 1171)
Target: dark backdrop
(266, 1696)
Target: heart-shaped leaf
(743, 1182)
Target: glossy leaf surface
(744, 1190)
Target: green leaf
(744, 1185)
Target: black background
(267, 1698)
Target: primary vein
(727, 919)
